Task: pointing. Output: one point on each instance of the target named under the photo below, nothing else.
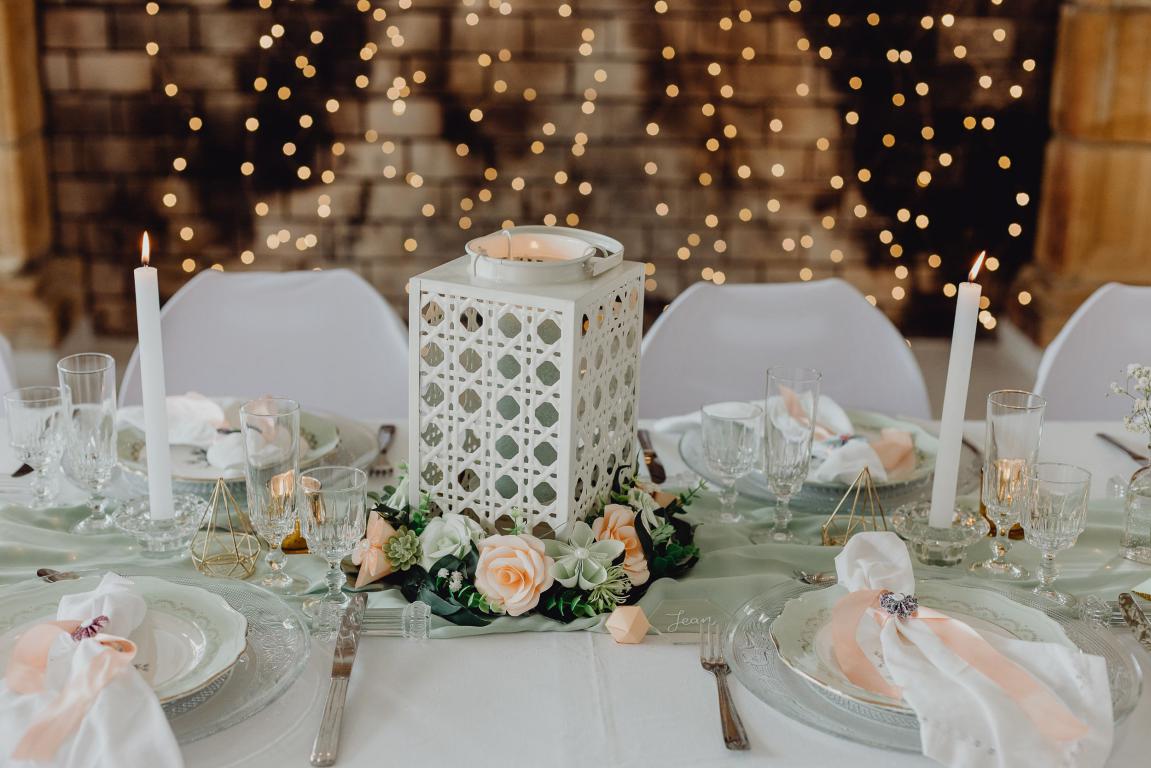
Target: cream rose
(618, 523)
(513, 572)
(449, 534)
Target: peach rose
(513, 572)
(618, 522)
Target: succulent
(403, 549)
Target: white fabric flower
(399, 499)
(644, 503)
(450, 534)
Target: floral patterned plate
(319, 436)
(195, 638)
(802, 633)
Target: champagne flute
(34, 432)
(335, 511)
(88, 389)
(731, 444)
(270, 427)
(789, 427)
(1054, 514)
(1014, 429)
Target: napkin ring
(901, 606)
(89, 628)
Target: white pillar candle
(955, 400)
(152, 385)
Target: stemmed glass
(1054, 514)
(731, 444)
(34, 431)
(334, 512)
(789, 427)
(270, 427)
(88, 388)
(1014, 428)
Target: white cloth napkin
(838, 457)
(831, 415)
(197, 420)
(125, 726)
(192, 419)
(965, 717)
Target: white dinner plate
(802, 633)
(319, 436)
(195, 636)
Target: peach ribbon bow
(369, 554)
(1050, 716)
(63, 715)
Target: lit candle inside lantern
(955, 400)
(160, 505)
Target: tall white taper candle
(955, 400)
(152, 385)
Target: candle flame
(975, 269)
(145, 249)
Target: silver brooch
(903, 606)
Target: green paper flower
(403, 549)
(582, 560)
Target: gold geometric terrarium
(225, 545)
(865, 516)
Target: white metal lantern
(524, 375)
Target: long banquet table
(577, 698)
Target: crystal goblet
(731, 444)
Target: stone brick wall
(404, 172)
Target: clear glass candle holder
(938, 546)
(411, 622)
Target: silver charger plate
(756, 663)
(277, 652)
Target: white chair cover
(7, 369)
(1111, 329)
(717, 342)
(327, 339)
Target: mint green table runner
(730, 572)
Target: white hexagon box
(524, 375)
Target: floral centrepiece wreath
(470, 577)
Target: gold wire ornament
(225, 545)
(867, 516)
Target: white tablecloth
(578, 699)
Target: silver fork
(711, 658)
(382, 467)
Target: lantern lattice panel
(607, 354)
(489, 373)
(522, 400)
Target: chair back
(325, 338)
(717, 342)
(1111, 329)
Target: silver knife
(1136, 619)
(326, 748)
(651, 458)
(1135, 456)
